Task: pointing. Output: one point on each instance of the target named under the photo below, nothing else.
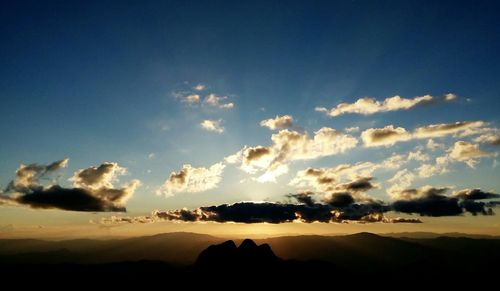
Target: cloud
(432, 145)
(78, 199)
(217, 101)
(475, 194)
(443, 129)
(325, 180)
(93, 189)
(493, 139)
(192, 180)
(191, 99)
(368, 106)
(279, 122)
(124, 220)
(386, 136)
(405, 220)
(401, 180)
(98, 177)
(352, 129)
(212, 125)
(28, 176)
(430, 201)
(467, 152)
(339, 207)
(362, 184)
(289, 146)
(439, 167)
(389, 135)
(199, 87)
(274, 212)
(339, 199)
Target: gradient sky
(109, 81)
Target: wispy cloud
(389, 135)
(368, 106)
(218, 101)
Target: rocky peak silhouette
(226, 255)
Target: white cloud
(432, 145)
(191, 99)
(98, 177)
(368, 106)
(450, 97)
(490, 138)
(326, 179)
(280, 122)
(199, 87)
(401, 180)
(212, 125)
(418, 155)
(467, 152)
(289, 146)
(439, 167)
(192, 180)
(217, 101)
(28, 176)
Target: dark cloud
(256, 153)
(405, 220)
(430, 201)
(273, 212)
(475, 207)
(93, 190)
(475, 194)
(339, 199)
(429, 206)
(362, 184)
(304, 198)
(338, 207)
(74, 199)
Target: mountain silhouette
(228, 255)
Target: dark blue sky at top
(91, 79)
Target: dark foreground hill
(180, 255)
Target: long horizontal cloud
(368, 106)
(389, 135)
(93, 189)
(336, 208)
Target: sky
(248, 117)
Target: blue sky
(104, 81)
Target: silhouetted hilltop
(227, 255)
